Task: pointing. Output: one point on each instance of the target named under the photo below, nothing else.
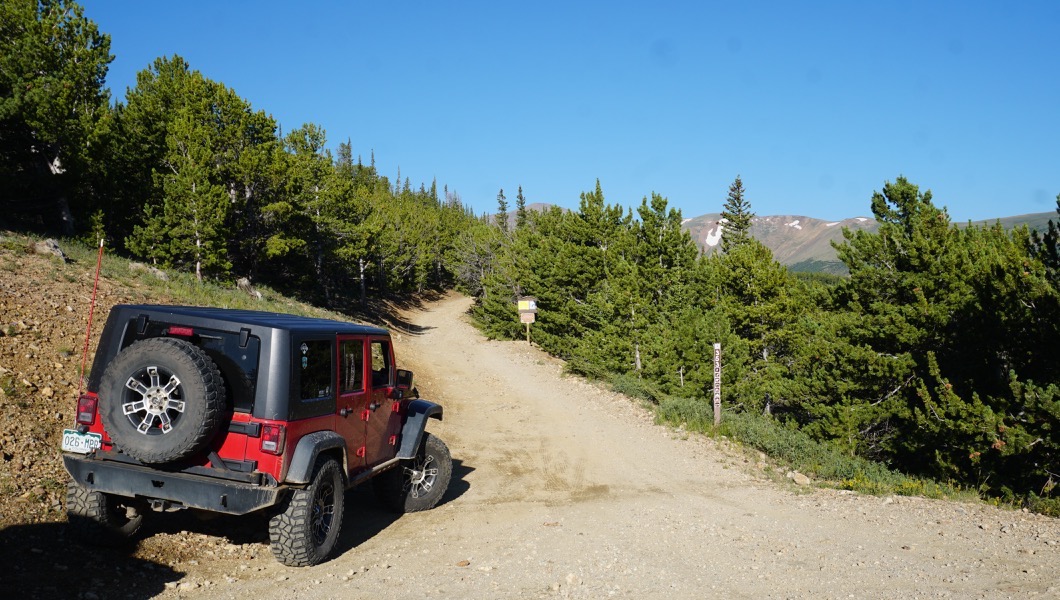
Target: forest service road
(563, 489)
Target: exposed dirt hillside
(44, 305)
(560, 489)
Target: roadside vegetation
(932, 361)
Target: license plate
(82, 443)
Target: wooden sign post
(527, 313)
(717, 384)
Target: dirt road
(564, 490)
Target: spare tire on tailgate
(162, 400)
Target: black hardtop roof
(257, 318)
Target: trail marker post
(527, 313)
(717, 384)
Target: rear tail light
(272, 437)
(86, 409)
(182, 331)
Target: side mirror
(404, 379)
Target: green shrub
(635, 387)
(695, 413)
(795, 449)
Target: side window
(314, 369)
(351, 378)
(380, 364)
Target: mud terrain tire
(307, 527)
(101, 519)
(162, 400)
(417, 484)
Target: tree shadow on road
(41, 562)
(388, 311)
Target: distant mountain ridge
(804, 243)
(799, 242)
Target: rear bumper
(189, 490)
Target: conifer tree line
(937, 355)
(188, 175)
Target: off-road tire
(102, 519)
(162, 400)
(417, 484)
(306, 528)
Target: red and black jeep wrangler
(236, 411)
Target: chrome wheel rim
(154, 401)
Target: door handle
(374, 406)
(345, 412)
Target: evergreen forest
(936, 355)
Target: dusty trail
(566, 490)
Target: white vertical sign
(717, 384)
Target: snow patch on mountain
(794, 224)
(831, 224)
(714, 235)
(861, 219)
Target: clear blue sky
(814, 104)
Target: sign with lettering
(527, 305)
(717, 384)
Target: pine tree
(189, 228)
(53, 110)
(502, 212)
(737, 217)
(1047, 248)
(943, 328)
(520, 209)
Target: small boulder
(139, 267)
(49, 246)
(243, 283)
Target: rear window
(314, 372)
(313, 379)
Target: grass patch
(635, 387)
(1045, 506)
(8, 385)
(577, 366)
(180, 287)
(796, 450)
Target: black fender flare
(416, 414)
(309, 448)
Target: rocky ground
(561, 489)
